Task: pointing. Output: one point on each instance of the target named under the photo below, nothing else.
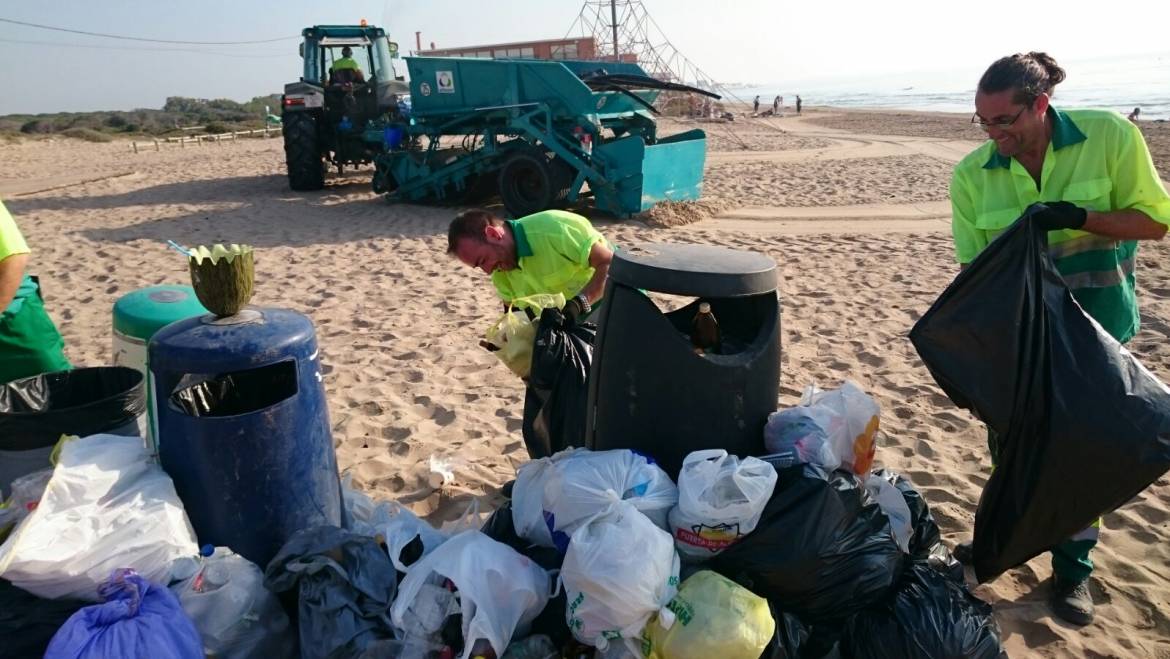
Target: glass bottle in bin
(705, 330)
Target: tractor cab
(347, 86)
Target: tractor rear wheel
(528, 183)
(302, 152)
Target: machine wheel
(302, 152)
(528, 184)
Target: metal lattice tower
(624, 28)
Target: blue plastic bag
(136, 619)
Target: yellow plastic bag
(514, 333)
(714, 617)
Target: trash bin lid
(698, 270)
(143, 312)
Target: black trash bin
(649, 390)
(35, 412)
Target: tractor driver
(345, 70)
(549, 252)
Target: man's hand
(1061, 215)
(575, 308)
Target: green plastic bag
(514, 334)
(714, 617)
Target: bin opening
(236, 393)
(742, 321)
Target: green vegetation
(86, 134)
(213, 116)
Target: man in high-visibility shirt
(548, 252)
(29, 342)
(346, 63)
(1092, 168)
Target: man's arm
(11, 272)
(600, 257)
(1126, 224)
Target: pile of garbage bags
(595, 554)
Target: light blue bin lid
(142, 313)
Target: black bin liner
(823, 549)
(241, 392)
(36, 411)
(28, 623)
(558, 385)
(930, 617)
(926, 544)
(1083, 426)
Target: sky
(746, 41)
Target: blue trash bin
(243, 428)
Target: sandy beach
(851, 205)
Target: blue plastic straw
(180, 249)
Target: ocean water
(1116, 83)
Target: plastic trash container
(35, 412)
(243, 428)
(648, 389)
(137, 316)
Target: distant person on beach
(1092, 168)
(1133, 116)
(756, 105)
(29, 342)
(798, 102)
(550, 252)
(776, 105)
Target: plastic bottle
(705, 330)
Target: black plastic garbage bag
(1083, 426)
(822, 550)
(27, 622)
(926, 544)
(551, 621)
(344, 585)
(36, 411)
(558, 386)
(930, 617)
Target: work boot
(964, 552)
(1071, 601)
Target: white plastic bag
(829, 428)
(618, 572)
(236, 616)
(589, 484)
(528, 497)
(720, 499)
(889, 498)
(26, 496)
(397, 525)
(105, 508)
(500, 590)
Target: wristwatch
(586, 308)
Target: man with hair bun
(1093, 171)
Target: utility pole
(613, 21)
(417, 42)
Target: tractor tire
(302, 152)
(528, 184)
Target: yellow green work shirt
(345, 64)
(1096, 160)
(552, 250)
(12, 242)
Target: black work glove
(1056, 215)
(573, 310)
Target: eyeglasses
(986, 125)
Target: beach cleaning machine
(541, 134)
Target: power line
(126, 38)
(57, 44)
